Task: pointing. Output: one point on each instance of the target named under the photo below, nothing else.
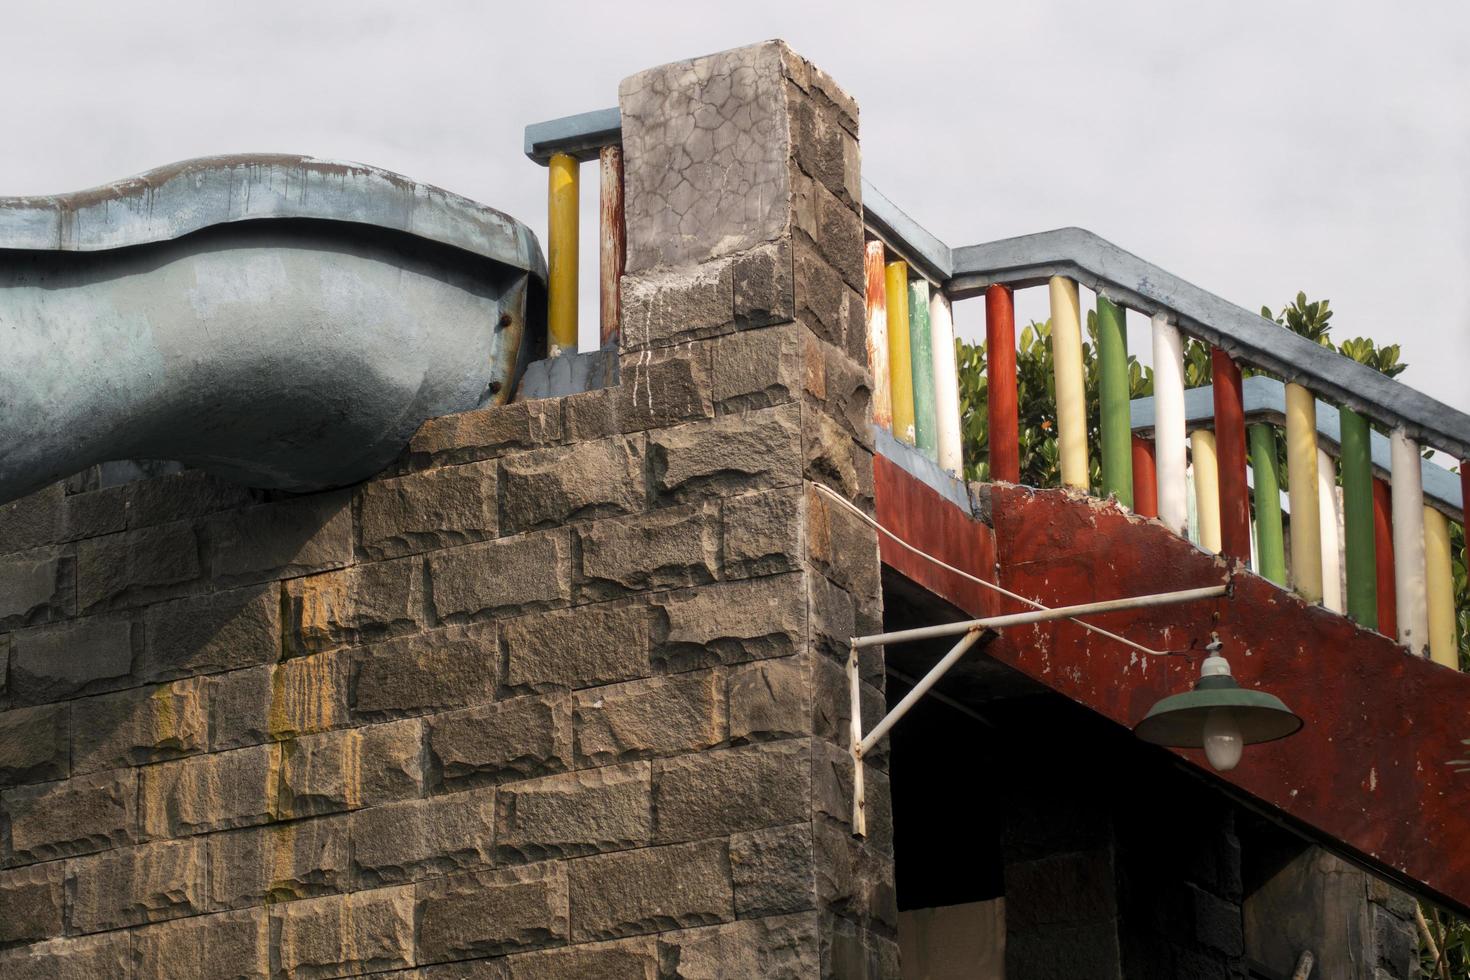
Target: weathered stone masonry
(559, 696)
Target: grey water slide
(280, 321)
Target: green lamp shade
(1179, 720)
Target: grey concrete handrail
(580, 136)
(924, 253)
(1139, 285)
(1265, 401)
(281, 321)
(1121, 276)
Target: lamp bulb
(1223, 742)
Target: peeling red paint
(936, 526)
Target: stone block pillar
(743, 313)
(1121, 871)
(1357, 927)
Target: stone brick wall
(1357, 927)
(561, 695)
(1117, 864)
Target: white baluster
(1408, 542)
(1170, 457)
(1330, 512)
(946, 384)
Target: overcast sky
(1253, 148)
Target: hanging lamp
(1218, 716)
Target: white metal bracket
(969, 632)
(855, 699)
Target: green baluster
(921, 350)
(1112, 367)
(1357, 506)
(1270, 550)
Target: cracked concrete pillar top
(707, 147)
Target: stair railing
(1389, 566)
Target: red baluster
(1383, 548)
(1145, 479)
(1465, 492)
(1000, 370)
(612, 248)
(1235, 508)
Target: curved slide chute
(280, 321)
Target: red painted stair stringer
(1368, 773)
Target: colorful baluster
(1383, 557)
(1270, 549)
(1066, 340)
(1115, 427)
(1408, 542)
(1302, 492)
(1206, 488)
(1235, 508)
(613, 246)
(1440, 590)
(1000, 387)
(1191, 530)
(561, 255)
(921, 352)
(900, 361)
(1465, 493)
(946, 385)
(1171, 461)
(877, 309)
(1330, 510)
(1357, 508)
(1145, 479)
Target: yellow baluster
(1066, 341)
(1206, 488)
(1301, 471)
(561, 255)
(1443, 645)
(900, 360)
